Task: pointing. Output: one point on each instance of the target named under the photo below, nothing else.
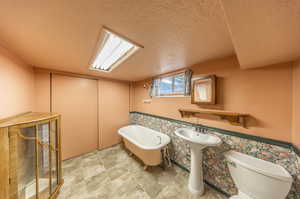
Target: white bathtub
(145, 143)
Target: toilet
(256, 178)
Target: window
(176, 84)
(113, 50)
(172, 85)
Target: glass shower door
(26, 167)
(54, 156)
(43, 161)
(37, 161)
(48, 159)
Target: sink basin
(197, 142)
(200, 139)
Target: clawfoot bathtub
(145, 143)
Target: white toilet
(257, 179)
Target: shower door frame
(14, 133)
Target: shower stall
(33, 161)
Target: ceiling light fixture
(112, 51)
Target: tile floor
(113, 174)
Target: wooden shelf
(237, 119)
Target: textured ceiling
(62, 34)
(264, 32)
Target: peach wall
(16, 85)
(42, 92)
(76, 100)
(113, 110)
(265, 94)
(296, 105)
(112, 107)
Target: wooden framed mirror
(204, 90)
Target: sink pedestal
(197, 142)
(196, 186)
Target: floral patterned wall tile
(214, 165)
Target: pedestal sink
(197, 142)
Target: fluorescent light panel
(113, 51)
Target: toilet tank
(258, 178)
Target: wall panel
(113, 110)
(76, 100)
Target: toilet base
(241, 195)
(235, 197)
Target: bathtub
(145, 143)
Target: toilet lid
(261, 166)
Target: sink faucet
(198, 128)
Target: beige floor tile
(113, 174)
